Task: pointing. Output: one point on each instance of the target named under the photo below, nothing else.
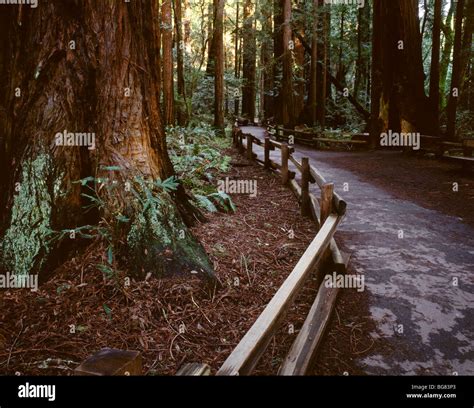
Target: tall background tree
(249, 61)
(168, 77)
(218, 43)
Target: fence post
(285, 154)
(241, 147)
(267, 152)
(305, 176)
(327, 192)
(249, 146)
(234, 136)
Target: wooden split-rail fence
(327, 211)
(447, 150)
(318, 139)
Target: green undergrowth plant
(145, 194)
(196, 153)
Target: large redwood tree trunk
(105, 82)
(404, 105)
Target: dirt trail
(417, 307)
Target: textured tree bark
(314, 64)
(435, 60)
(278, 59)
(267, 63)
(404, 105)
(376, 89)
(362, 76)
(167, 44)
(237, 57)
(182, 110)
(299, 82)
(288, 109)
(457, 72)
(218, 39)
(446, 54)
(322, 63)
(249, 62)
(467, 55)
(105, 82)
(210, 44)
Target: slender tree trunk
(237, 57)
(456, 75)
(168, 81)
(267, 63)
(314, 64)
(466, 53)
(249, 62)
(219, 66)
(278, 60)
(446, 55)
(377, 84)
(210, 45)
(106, 84)
(180, 48)
(435, 61)
(288, 116)
(299, 73)
(322, 83)
(361, 83)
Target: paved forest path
(416, 306)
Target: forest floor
(179, 320)
(412, 237)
